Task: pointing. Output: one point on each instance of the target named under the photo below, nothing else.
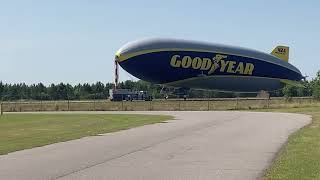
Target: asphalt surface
(194, 145)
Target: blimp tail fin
(281, 52)
(292, 83)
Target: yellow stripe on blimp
(284, 81)
(123, 57)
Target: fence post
(56, 106)
(122, 105)
(300, 101)
(236, 103)
(68, 104)
(150, 108)
(208, 105)
(1, 108)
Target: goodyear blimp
(199, 65)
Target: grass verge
(300, 157)
(24, 131)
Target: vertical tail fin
(281, 52)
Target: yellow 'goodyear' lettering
(218, 62)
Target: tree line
(64, 91)
(99, 90)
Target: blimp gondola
(200, 65)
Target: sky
(75, 41)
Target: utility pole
(116, 74)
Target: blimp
(207, 66)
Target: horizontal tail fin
(282, 52)
(292, 83)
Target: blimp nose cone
(119, 56)
(134, 48)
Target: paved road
(195, 145)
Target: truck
(128, 95)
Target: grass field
(300, 157)
(23, 131)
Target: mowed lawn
(300, 157)
(24, 131)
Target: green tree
(1, 90)
(52, 92)
(316, 86)
(289, 91)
